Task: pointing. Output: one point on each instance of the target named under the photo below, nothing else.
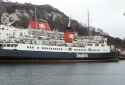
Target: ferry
(44, 44)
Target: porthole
(70, 49)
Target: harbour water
(63, 74)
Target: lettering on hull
(81, 55)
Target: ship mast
(89, 29)
(69, 23)
(68, 27)
(35, 15)
(88, 15)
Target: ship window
(44, 48)
(70, 49)
(89, 44)
(96, 44)
(0, 45)
(102, 41)
(4, 45)
(102, 45)
(8, 45)
(14, 45)
(37, 47)
(74, 49)
(83, 50)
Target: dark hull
(42, 55)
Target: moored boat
(44, 44)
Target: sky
(104, 14)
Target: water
(63, 74)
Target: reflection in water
(63, 74)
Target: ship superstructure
(37, 40)
(19, 43)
